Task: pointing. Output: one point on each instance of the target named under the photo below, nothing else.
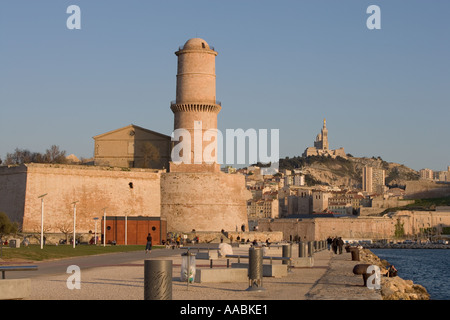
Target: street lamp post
(95, 232)
(104, 227)
(42, 219)
(74, 220)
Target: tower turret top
(196, 44)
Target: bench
(270, 270)
(221, 275)
(211, 253)
(240, 256)
(3, 269)
(12, 289)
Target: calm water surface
(427, 267)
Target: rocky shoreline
(394, 288)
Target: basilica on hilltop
(321, 146)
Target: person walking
(148, 247)
(329, 242)
(334, 245)
(340, 244)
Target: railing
(240, 256)
(174, 102)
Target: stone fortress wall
(94, 187)
(204, 201)
(413, 222)
(426, 189)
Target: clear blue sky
(281, 65)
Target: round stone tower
(196, 108)
(195, 194)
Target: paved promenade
(331, 278)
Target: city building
(426, 174)
(262, 208)
(320, 201)
(373, 180)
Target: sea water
(427, 267)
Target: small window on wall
(203, 45)
(153, 228)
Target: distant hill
(346, 172)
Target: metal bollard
(286, 252)
(355, 254)
(158, 280)
(302, 249)
(255, 269)
(310, 248)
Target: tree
(54, 155)
(21, 156)
(399, 229)
(6, 226)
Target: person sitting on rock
(392, 272)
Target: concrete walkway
(330, 278)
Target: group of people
(336, 244)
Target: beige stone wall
(426, 189)
(204, 201)
(321, 228)
(94, 187)
(415, 221)
(390, 203)
(291, 228)
(380, 205)
(357, 228)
